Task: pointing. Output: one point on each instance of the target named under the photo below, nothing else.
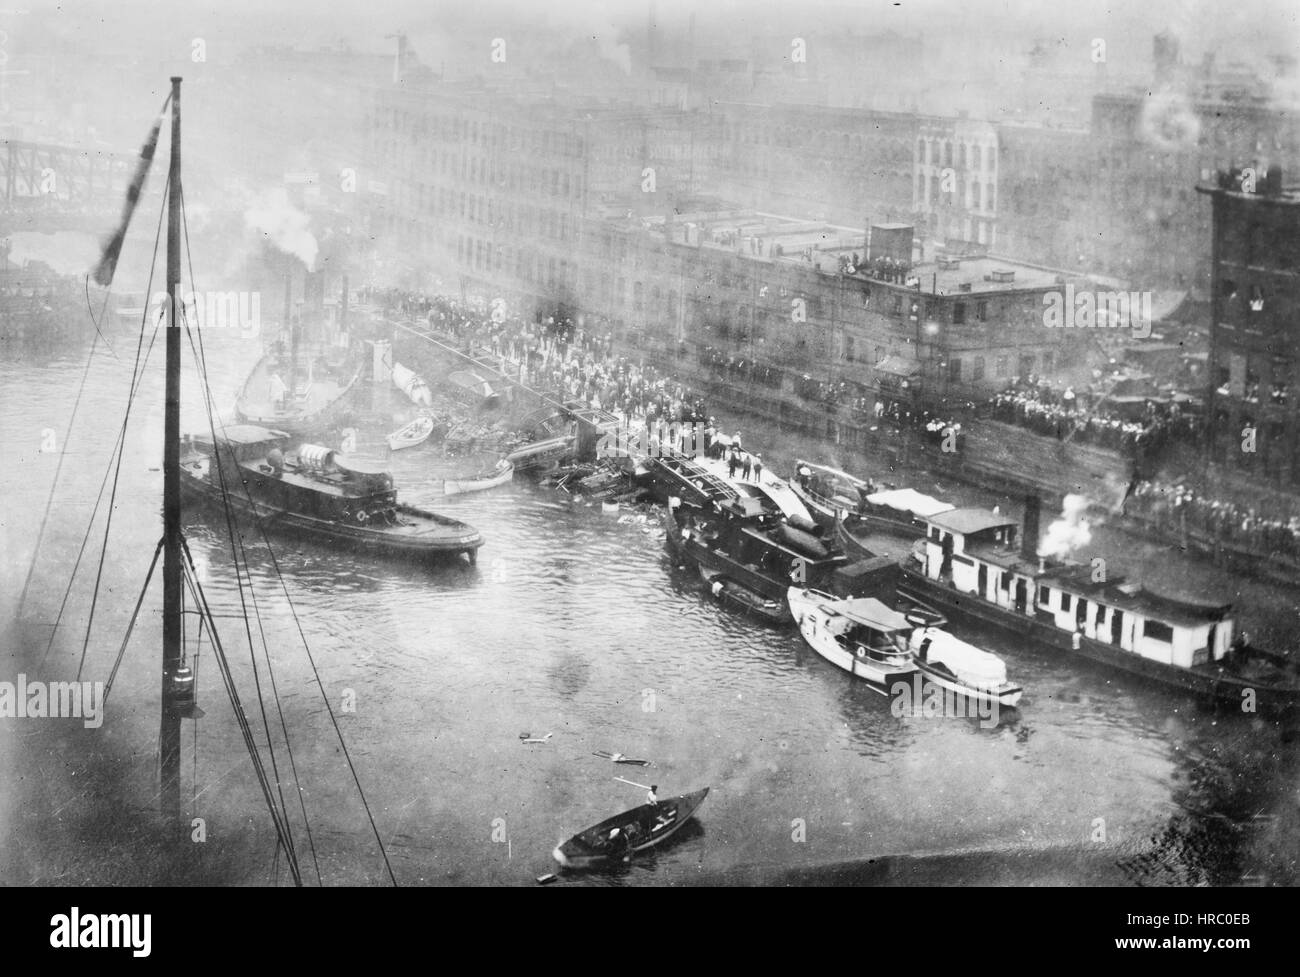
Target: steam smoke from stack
(1069, 532)
(284, 225)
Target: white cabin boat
(860, 635)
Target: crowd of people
(1067, 415)
(734, 368)
(1177, 508)
(563, 360)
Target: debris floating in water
(620, 758)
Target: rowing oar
(620, 758)
(634, 783)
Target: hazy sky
(1250, 27)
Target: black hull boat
(751, 551)
(970, 569)
(740, 598)
(316, 495)
(618, 838)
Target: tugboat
(303, 390)
(316, 493)
(972, 570)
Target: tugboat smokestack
(1029, 534)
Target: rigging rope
(241, 717)
(117, 663)
(136, 380)
(239, 552)
(54, 485)
(202, 357)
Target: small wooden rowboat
(740, 597)
(502, 473)
(417, 432)
(619, 837)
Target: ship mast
(169, 737)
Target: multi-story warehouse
(955, 185)
(797, 321)
(1254, 345)
(548, 205)
(841, 164)
(1149, 151)
(494, 188)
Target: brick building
(1254, 345)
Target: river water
(576, 624)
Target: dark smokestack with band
(1029, 533)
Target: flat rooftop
(822, 244)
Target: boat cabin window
(934, 533)
(1045, 596)
(1065, 601)
(1158, 631)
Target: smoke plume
(1069, 532)
(284, 225)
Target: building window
(1000, 368)
(954, 370)
(848, 349)
(977, 369)
(958, 313)
(982, 311)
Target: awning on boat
(910, 500)
(872, 613)
(965, 522)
